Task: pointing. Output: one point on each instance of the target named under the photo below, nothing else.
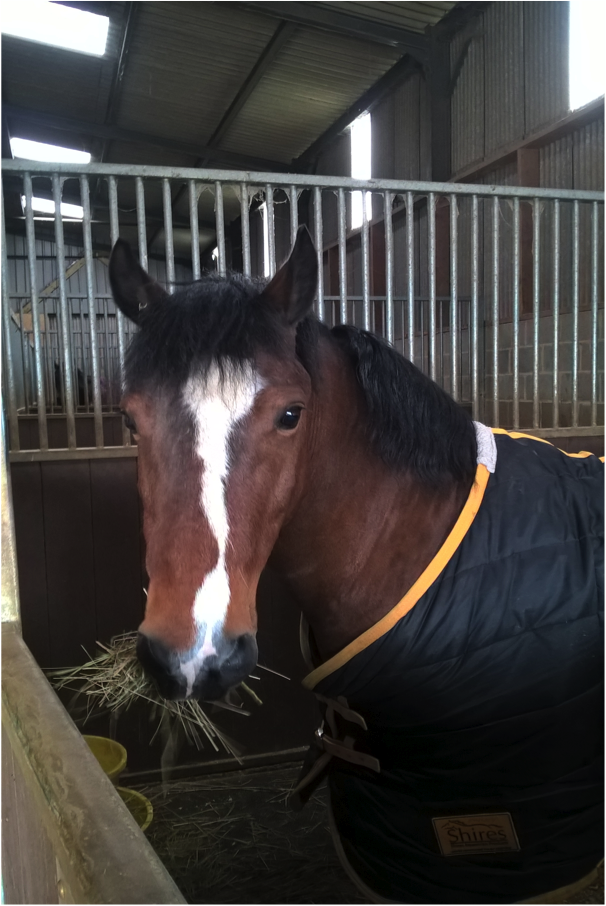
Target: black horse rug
(467, 722)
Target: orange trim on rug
(582, 455)
(425, 580)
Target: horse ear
(133, 289)
(293, 288)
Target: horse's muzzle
(177, 678)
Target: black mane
(414, 424)
(216, 319)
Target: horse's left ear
(133, 289)
(293, 288)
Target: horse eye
(290, 418)
(128, 421)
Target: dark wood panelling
(119, 596)
(70, 566)
(26, 481)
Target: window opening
(55, 24)
(585, 52)
(30, 150)
(361, 145)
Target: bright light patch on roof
(52, 23)
(23, 147)
(586, 51)
(46, 206)
(361, 144)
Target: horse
(449, 575)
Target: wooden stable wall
(80, 554)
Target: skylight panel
(30, 150)
(46, 206)
(52, 23)
(361, 149)
(586, 52)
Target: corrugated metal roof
(185, 67)
(414, 16)
(305, 91)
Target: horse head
(218, 398)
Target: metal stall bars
(392, 274)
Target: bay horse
(450, 576)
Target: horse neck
(361, 533)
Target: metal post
(13, 418)
(410, 257)
(245, 222)
(114, 227)
(68, 400)
(342, 212)
(575, 313)
(294, 213)
(594, 313)
(271, 228)
(33, 279)
(220, 222)
(389, 312)
(536, 262)
(454, 300)
(92, 310)
(556, 313)
(366, 266)
(141, 228)
(195, 228)
(474, 325)
(431, 215)
(319, 249)
(168, 234)
(516, 313)
(495, 311)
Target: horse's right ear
(133, 289)
(293, 288)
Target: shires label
(466, 835)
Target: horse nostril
(161, 664)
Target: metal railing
(495, 291)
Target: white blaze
(216, 406)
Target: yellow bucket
(140, 808)
(109, 753)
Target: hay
(115, 679)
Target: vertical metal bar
(389, 312)
(495, 311)
(7, 346)
(194, 227)
(25, 360)
(365, 266)
(575, 313)
(220, 222)
(245, 221)
(271, 228)
(410, 256)
(68, 399)
(92, 310)
(168, 234)
(431, 215)
(474, 325)
(556, 313)
(342, 211)
(294, 213)
(319, 249)
(114, 228)
(516, 313)
(141, 229)
(454, 294)
(536, 273)
(31, 255)
(594, 313)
